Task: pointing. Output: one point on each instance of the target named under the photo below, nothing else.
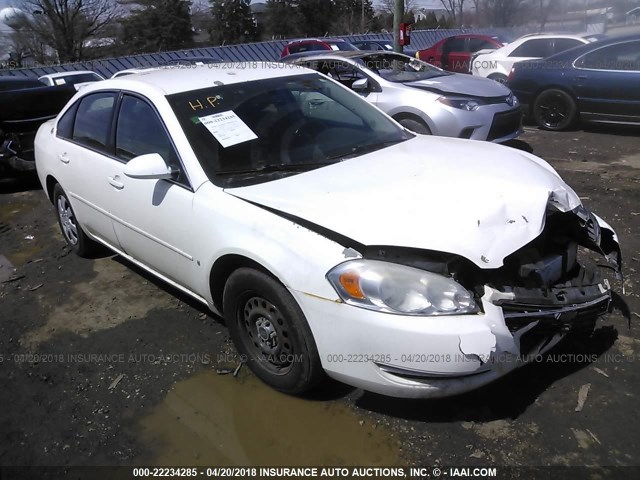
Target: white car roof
(168, 81)
(66, 74)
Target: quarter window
(93, 120)
(623, 56)
(562, 44)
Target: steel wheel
(554, 110)
(270, 331)
(67, 221)
(267, 334)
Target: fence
(262, 51)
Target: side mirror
(150, 166)
(360, 85)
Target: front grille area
(575, 318)
(505, 123)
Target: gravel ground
(100, 364)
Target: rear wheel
(271, 332)
(555, 110)
(75, 237)
(415, 125)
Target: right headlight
(467, 104)
(392, 288)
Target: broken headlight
(392, 288)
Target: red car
(311, 44)
(454, 53)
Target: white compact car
(497, 64)
(330, 238)
(79, 79)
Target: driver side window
(139, 131)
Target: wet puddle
(211, 419)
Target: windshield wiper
(362, 149)
(277, 167)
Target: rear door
(84, 154)
(530, 50)
(607, 82)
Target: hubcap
(67, 221)
(267, 334)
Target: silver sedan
(424, 98)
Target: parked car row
(332, 239)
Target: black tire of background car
(498, 77)
(305, 372)
(85, 247)
(555, 110)
(415, 125)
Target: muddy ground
(100, 364)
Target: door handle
(63, 157)
(115, 182)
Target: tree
(282, 19)
(505, 13)
(455, 9)
(65, 25)
(317, 16)
(349, 16)
(158, 26)
(232, 22)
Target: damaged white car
(331, 239)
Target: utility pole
(398, 17)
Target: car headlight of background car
(468, 104)
(392, 288)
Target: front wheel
(270, 331)
(498, 77)
(417, 126)
(554, 110)
(75, 237)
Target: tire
(417, 126)
(72, 232)
(555, 110)
(498, 77)
(270, 331)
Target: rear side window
(536, 48)
(66, 122)
(621, 57)
(92, 124)
(307, 47)
(562, 44)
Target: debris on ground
(582, 396)
(33, 289)
(115, 383)
(224, 371)
(601, 372)
(237, 370)
(15, 278)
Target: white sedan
(79, 79)
(497, 64)
(331, 239)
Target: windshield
(401, 68)
(249, 132)
(80, 78)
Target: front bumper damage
(522, 318)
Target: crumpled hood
(460, 84)
(475, 199)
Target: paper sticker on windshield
(228, 128)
